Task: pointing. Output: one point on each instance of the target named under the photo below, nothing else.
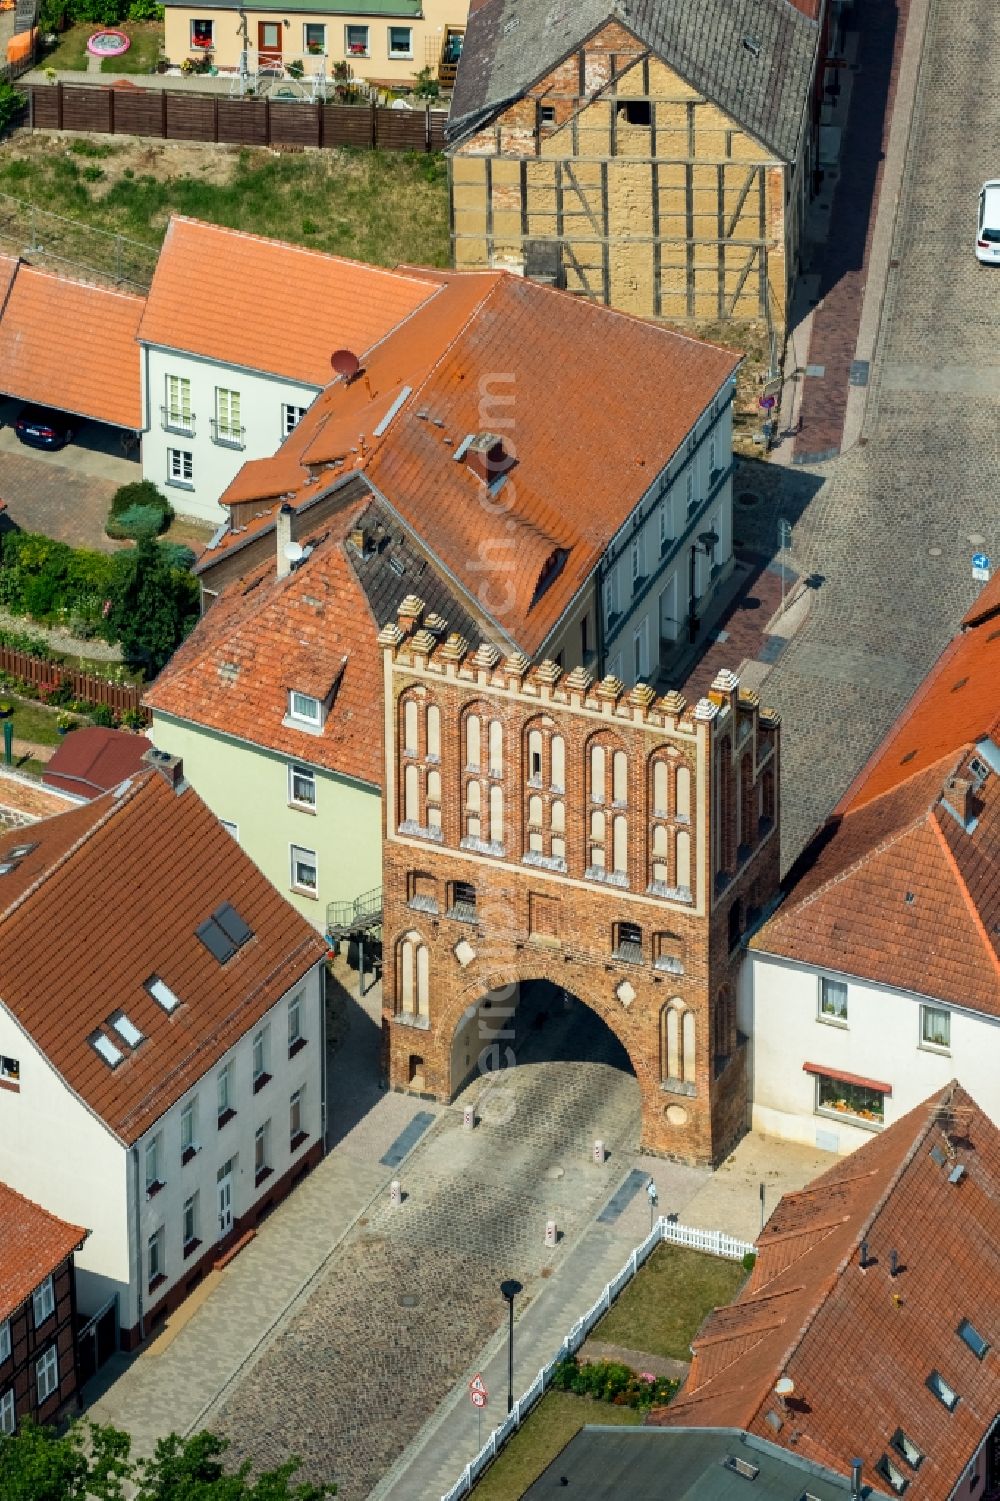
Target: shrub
(609, 1381)
(103, 716)
(749, 1261)
(140, 492)
(145, 10)
(177, 555)
(11, 103)
(136, 522)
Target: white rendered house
(878, 979)
(161, 1046)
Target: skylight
(972, 1337)
(103, 1045)
(907, 1448)
(894, 1477)
(942, 1390)
(162, 994)
(126, 1030)
(20, 850)
(224, 932)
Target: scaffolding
(262, 75)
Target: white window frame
(180, 468)
(189, 1118)
(224, 1089)
(349, 50)
(295, 854)
(832, 1018)
(291, 413)
(8, 1414)
(157, 1239)
(315, 26)
(43, 1302)
(294, 1021)
(190, 1204)
(261, 1150)
(4, 1341)
(302, 774)
(927, 1043)
(295, 1108)
(194, 46)
(177, 406)
(10, 1068)
(404, 55)
(261, 1053)
(299, 714)
(47, 1370)
(152, 1163)
(226, 429)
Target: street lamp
(510, 1290)
(706, 543)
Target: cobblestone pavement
(889, 531)
(412, 1295)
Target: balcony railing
(226, 435)
(177, 422)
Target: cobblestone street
(412, 1295)
(890, 533)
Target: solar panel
(232, 924)
(219, 945)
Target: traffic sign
(477, 1384)
(478, 1399)
(981, 567)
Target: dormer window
(305, 710)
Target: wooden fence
(106, 110)
(85, 685)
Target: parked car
(988, 236)
(40, 428)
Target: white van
(988, 236)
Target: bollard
(551, 1233)
(395, 1194)
(469, 1117)
(599, 1155)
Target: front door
(225, 1187)
(269, 41)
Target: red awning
(836, 1073)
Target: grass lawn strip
(381, 207)
(547, 1430)
(667, 1301)
(141, 57)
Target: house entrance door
(269, 41)
(225, 1187)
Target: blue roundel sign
(981, 566)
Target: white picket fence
(714, 1242)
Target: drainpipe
(138, 1244)
(322, 1032)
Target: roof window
(20, 850)
(106, 1048)
(162, 994)
(752, 45)
(742, 1467)
(894, 1478)
(944, 1393)
(127, 1030)
(224, 932)
(971, 1336)
(907, 1448)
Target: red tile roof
(859, 1344)
(33, 1243)
(587, 449)
(109, 895)
(94, 760)
(265, 636)
(69, 345)
(896, 888)
(278, 308)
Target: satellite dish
(294, 552)
(345, 362)
(784, 1386)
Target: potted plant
(64, 723)
(316, 48)
(296, 68)
(6, 708)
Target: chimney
(856, 1492)
(486, 458)
(893, 1263)
(283, 530)
(171, 768)
(958, 793)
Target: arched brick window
(683, 857)
(724, 804)
(413, 971)
(682, 807)
(481, 789)
(558, 775)
(661, 785)
(411, 727)
(433, 732)
(544, 772)
(678, 1045)
(607, 778)
(473, 741)
(496, 814)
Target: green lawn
(662, 1309)
(141, 57)
(70, 52)
(549, 1428)
(380, 207)
(35, 722)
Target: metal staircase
(354, 922)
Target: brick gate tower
(538, 826)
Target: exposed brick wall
(657, 934)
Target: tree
(151, 605)
(89, 1463)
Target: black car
(40, 428)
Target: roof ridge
(306, 250)
(966, 894)
(833, 1279)
(76, 281)
(60, 861)
(911, 776)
